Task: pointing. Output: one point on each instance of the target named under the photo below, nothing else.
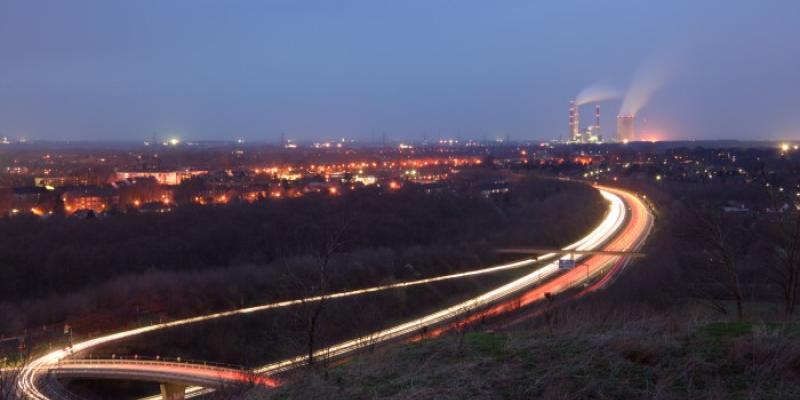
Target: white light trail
(607, 228)
(605, 231)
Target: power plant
(589, 135)
(625, 129)
(574, 121)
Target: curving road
(630, 239)
(623, 237)
(624, 228)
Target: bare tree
(723, 247)
(785, 220)
(9, 390)
(314, 289)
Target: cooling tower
(625, 131)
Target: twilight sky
(120, 70)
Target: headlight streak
(602, 233)
(607, 228)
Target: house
(96, 199)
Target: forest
(131, 268)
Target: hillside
(648, 358)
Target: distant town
(83, 181)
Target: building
(625, 128)
(171, 178)
(574, 122)
(59, 181)
(95, 199)
(589, 135)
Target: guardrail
(155, 361)
(116, 370)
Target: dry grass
(597, 357)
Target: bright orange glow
(653, 136)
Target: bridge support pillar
(173, 391)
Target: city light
(533, 200)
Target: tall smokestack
(574, 120)
(625, 130)
(571, 118)
(597, 117)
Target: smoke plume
(597, 92)
(650, 76)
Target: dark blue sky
(325, 69)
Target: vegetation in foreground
(636, 359)
(679, 324)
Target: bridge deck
(158, 371)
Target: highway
(613, 233)
(612, 227)
(625, 228)
(630, 239)
(28, 377)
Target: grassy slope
(652, 360)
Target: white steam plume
(597, 92)
(650, 76)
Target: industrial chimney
(574, 121)
(625, 131)
(597, 118)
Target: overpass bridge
(173, 376)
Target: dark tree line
(124, 267)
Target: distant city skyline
(205, 70)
